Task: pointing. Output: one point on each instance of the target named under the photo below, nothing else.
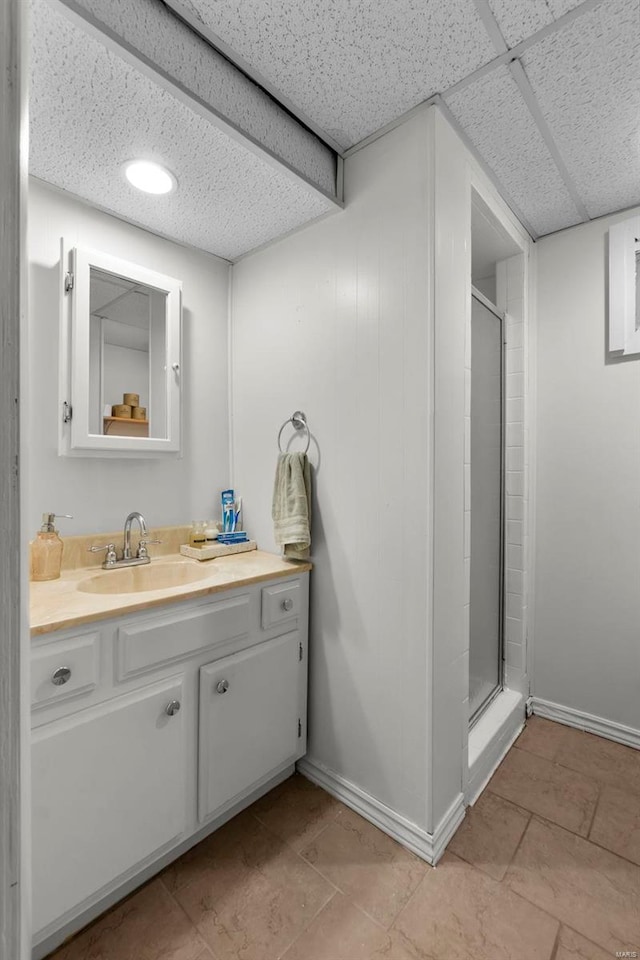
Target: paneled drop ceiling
(91, 110)
(350, 66)
(546, 91)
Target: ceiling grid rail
(511, 57)
(505, 56)
(526, 90)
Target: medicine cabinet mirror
(120, 353)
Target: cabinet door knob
(222, 686)
(287, 604)
(61, 675)
(172, 707)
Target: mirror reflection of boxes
(126, 419)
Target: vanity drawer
(64, 669)
(147, 644)
(280, 603)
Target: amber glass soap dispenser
(46, 549)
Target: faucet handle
(143, 553)
(111, 556)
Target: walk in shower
(496, 541)
(486, 505)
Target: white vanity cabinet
(149, 731)
(108, 792)
(250, 719)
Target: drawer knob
(60, 676)
(222, 686)
(287, 604)
(172, 708)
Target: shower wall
(486, 483)
(512, 282)
(511, 286)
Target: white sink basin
(148, 577)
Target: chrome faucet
(127, 532)
(142, 556)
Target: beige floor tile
(297, 810)
(459, 913)
(542, 737)
(558, 794)
(147, 926)
(240, 844)
(573, 946)
(372, 869)
(248, 893)
(601, 759)
(591, 890)
(617, 823)
(489, 834)
(341, 931)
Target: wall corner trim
(428, 846)
(602, 727)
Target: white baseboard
(428, 846)
(491, 738)
(609, 729)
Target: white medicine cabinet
(120, 357)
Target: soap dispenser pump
(46, 549)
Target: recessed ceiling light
(150, 177)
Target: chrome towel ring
(299, 422)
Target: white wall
(335, 321)
(100, 493)
(587, 599)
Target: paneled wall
(587, 598)
(100, 493)
(335, 321)
(360, 321)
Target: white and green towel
(291, 510)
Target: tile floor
(546, 866)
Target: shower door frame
(502, 317)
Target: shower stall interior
(486, 594)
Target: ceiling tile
(498, 123)
(353, 66)
(586, 80)
(519, 19)
(90, 112)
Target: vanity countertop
(57, 604)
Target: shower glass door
(487, 470)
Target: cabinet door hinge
(299, 727)
(67, 412)
(69, 280)
(299, 651)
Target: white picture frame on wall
(624, 287)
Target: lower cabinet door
(249, 719)
(109, 790)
